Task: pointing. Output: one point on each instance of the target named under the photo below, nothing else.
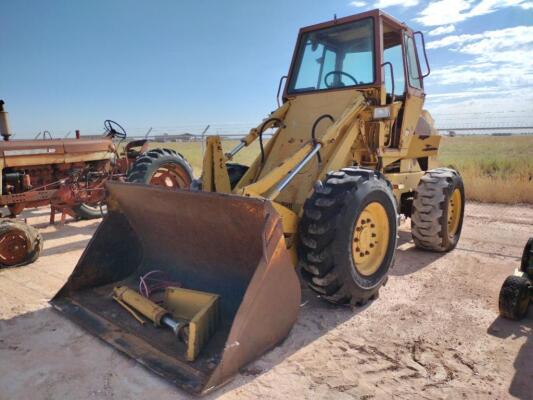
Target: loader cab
(369, 52)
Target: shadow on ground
(522, 383)
(410, 259)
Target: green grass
(497, 169)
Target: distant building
(100, 136)
(184, 137)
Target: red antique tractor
(69, 175)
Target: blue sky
(178, 65)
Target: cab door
(414, 100)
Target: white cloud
(481, 43)
(502, 58)
(499, 59)
(472, 73)
(499, 66)
(390, 3)
(442, 12)
(452, 40)
(480, 91)
(482, 106)
(358, 3)
(441, 30)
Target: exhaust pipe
(4, 122)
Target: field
(495, 169)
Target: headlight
(381, 112)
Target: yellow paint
(455, 205)
(353, 138)
(215, 175)
(199, 309)
(370, 239)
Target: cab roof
(376, 13)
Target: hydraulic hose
(313, 134)
(261, 130)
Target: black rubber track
(326, 234)
(514, 297)
(146, 165)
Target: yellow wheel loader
(352, 149)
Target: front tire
(20, 243)
(514, 297)
(348, 236)
(438, 210)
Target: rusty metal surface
(20, 243)
(27, 197)
(224, 244)
(19, 148)
(13, 247)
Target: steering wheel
(338, 73)
(114, 129)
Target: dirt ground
(434, 332)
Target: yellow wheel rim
(370, 239)
(454, 212)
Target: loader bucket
(226, 245)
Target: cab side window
(394, 56)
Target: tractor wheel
(161, 167)
(348, 236)
(20, 244)
(438, 210)
(514, 297)
(527, 258)
(89, 211)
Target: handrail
(279, 89)
(425, 53)
(392, 77)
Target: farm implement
(69, 175)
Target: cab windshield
(335, 57)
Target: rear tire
(20, 243)
(438, 210)
(161, 167)
(352, 207)
(514, 297)
(86, 211)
